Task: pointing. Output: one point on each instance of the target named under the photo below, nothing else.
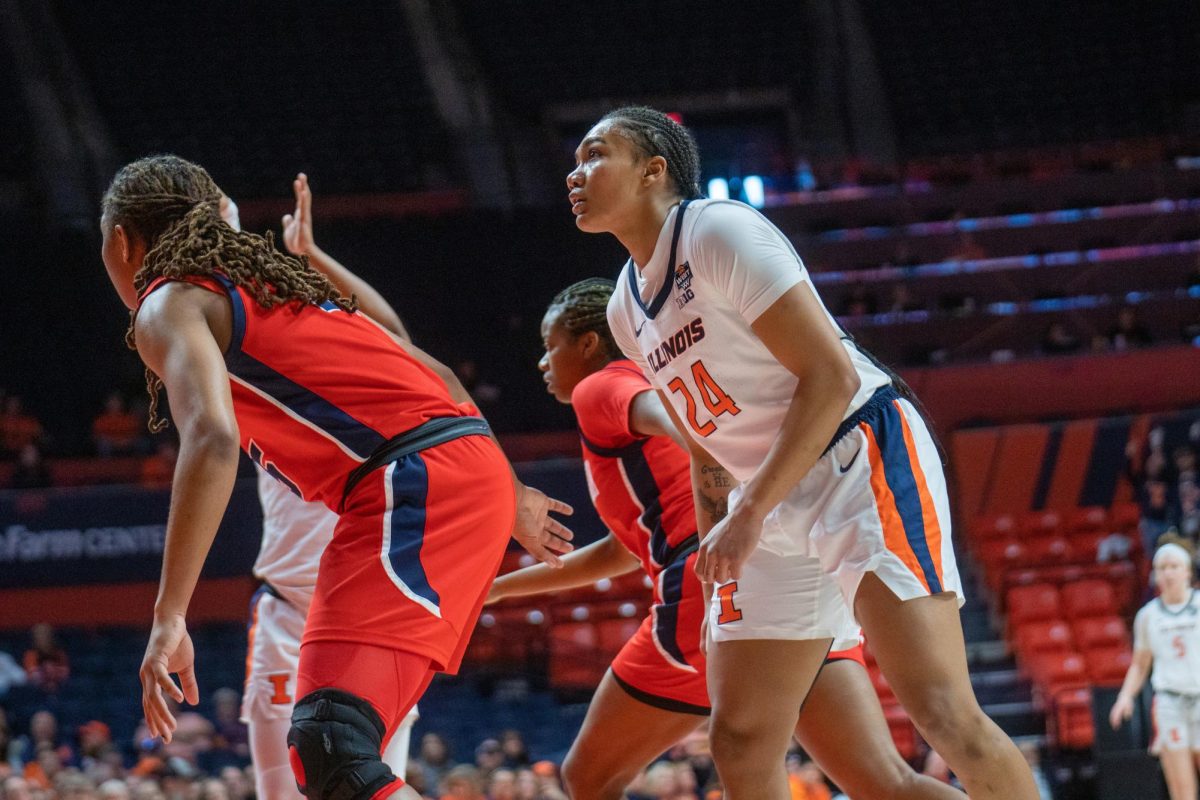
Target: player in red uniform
(254, 347)
(656, 691)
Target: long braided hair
(656, 134)
(173, 206)
(583, 307)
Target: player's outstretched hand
(726, 547)
(543, 536)
(298, 226)
(169, 651)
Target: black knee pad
(334, 747)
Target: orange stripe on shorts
(889, 517)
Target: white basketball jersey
(1173, 636)
(685, 320)
(295, 533)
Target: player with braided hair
(840, 498)
(655, 692)
(255, 349)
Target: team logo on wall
(683, 276)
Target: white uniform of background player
(295, 534)
(1172, 634)
(876, 501)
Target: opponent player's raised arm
(605, 558)
(299, 241)
(177, 334)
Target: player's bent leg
(620, 735)
(273, 775)
(919, 646)
(1180, 772)
(843, 728)
(352, 699)
(335, 744)
(757, 687)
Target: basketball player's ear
(589, 342)
(655, 170)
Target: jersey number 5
(711, 394)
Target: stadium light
(756, 196)
(718, 189)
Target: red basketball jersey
(641, 486)
(317, 389)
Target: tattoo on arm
(714, 492)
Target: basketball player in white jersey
(840, 499)
(1166, 636)
(295, 534)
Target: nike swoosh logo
(846, 468)
(637, 332)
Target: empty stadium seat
(1088, 598)
(1048, 549)
(1088, 518)
(1035, 603)
(1093, 632)
(1035, 638)
(1071, 719)
(1055, 671)
(1107, 666)
(994, 526)
(1041, 523)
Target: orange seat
(1088, 598)
(1093, 632)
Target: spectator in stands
(46, 764)
(516, 754)
(17, 788)
(114, 790)
(549, 782)
(488, 756)
(11, 674)
(17, 428)
(158, 469)
(31, 471)
(232, 740)
(46, 663)
(1059, 340)
(433, 760)
(95, 743)
(859, 302)
(43, 734)
(10, 749)
(238, 783)
(902, 300)
(1128, 333)
(214, 789)
(463, 782)
(1148, 476)
(117, 429)
(502, 785)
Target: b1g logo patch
(683, 282)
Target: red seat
(1048, 550)
(575, 658)
(1093, 632)
(1088, 518)
(614, 633)
(1088, 598)
(1052, 671)
(1041, 523)
(1125, 516)
(1071, 720)
(1034, 603)
(995, 526)
(1035, 638)
(1086, 543)
(1107, 666)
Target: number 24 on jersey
(715, 399)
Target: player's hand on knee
(727, 547)
(168, 651)
(543, 536)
